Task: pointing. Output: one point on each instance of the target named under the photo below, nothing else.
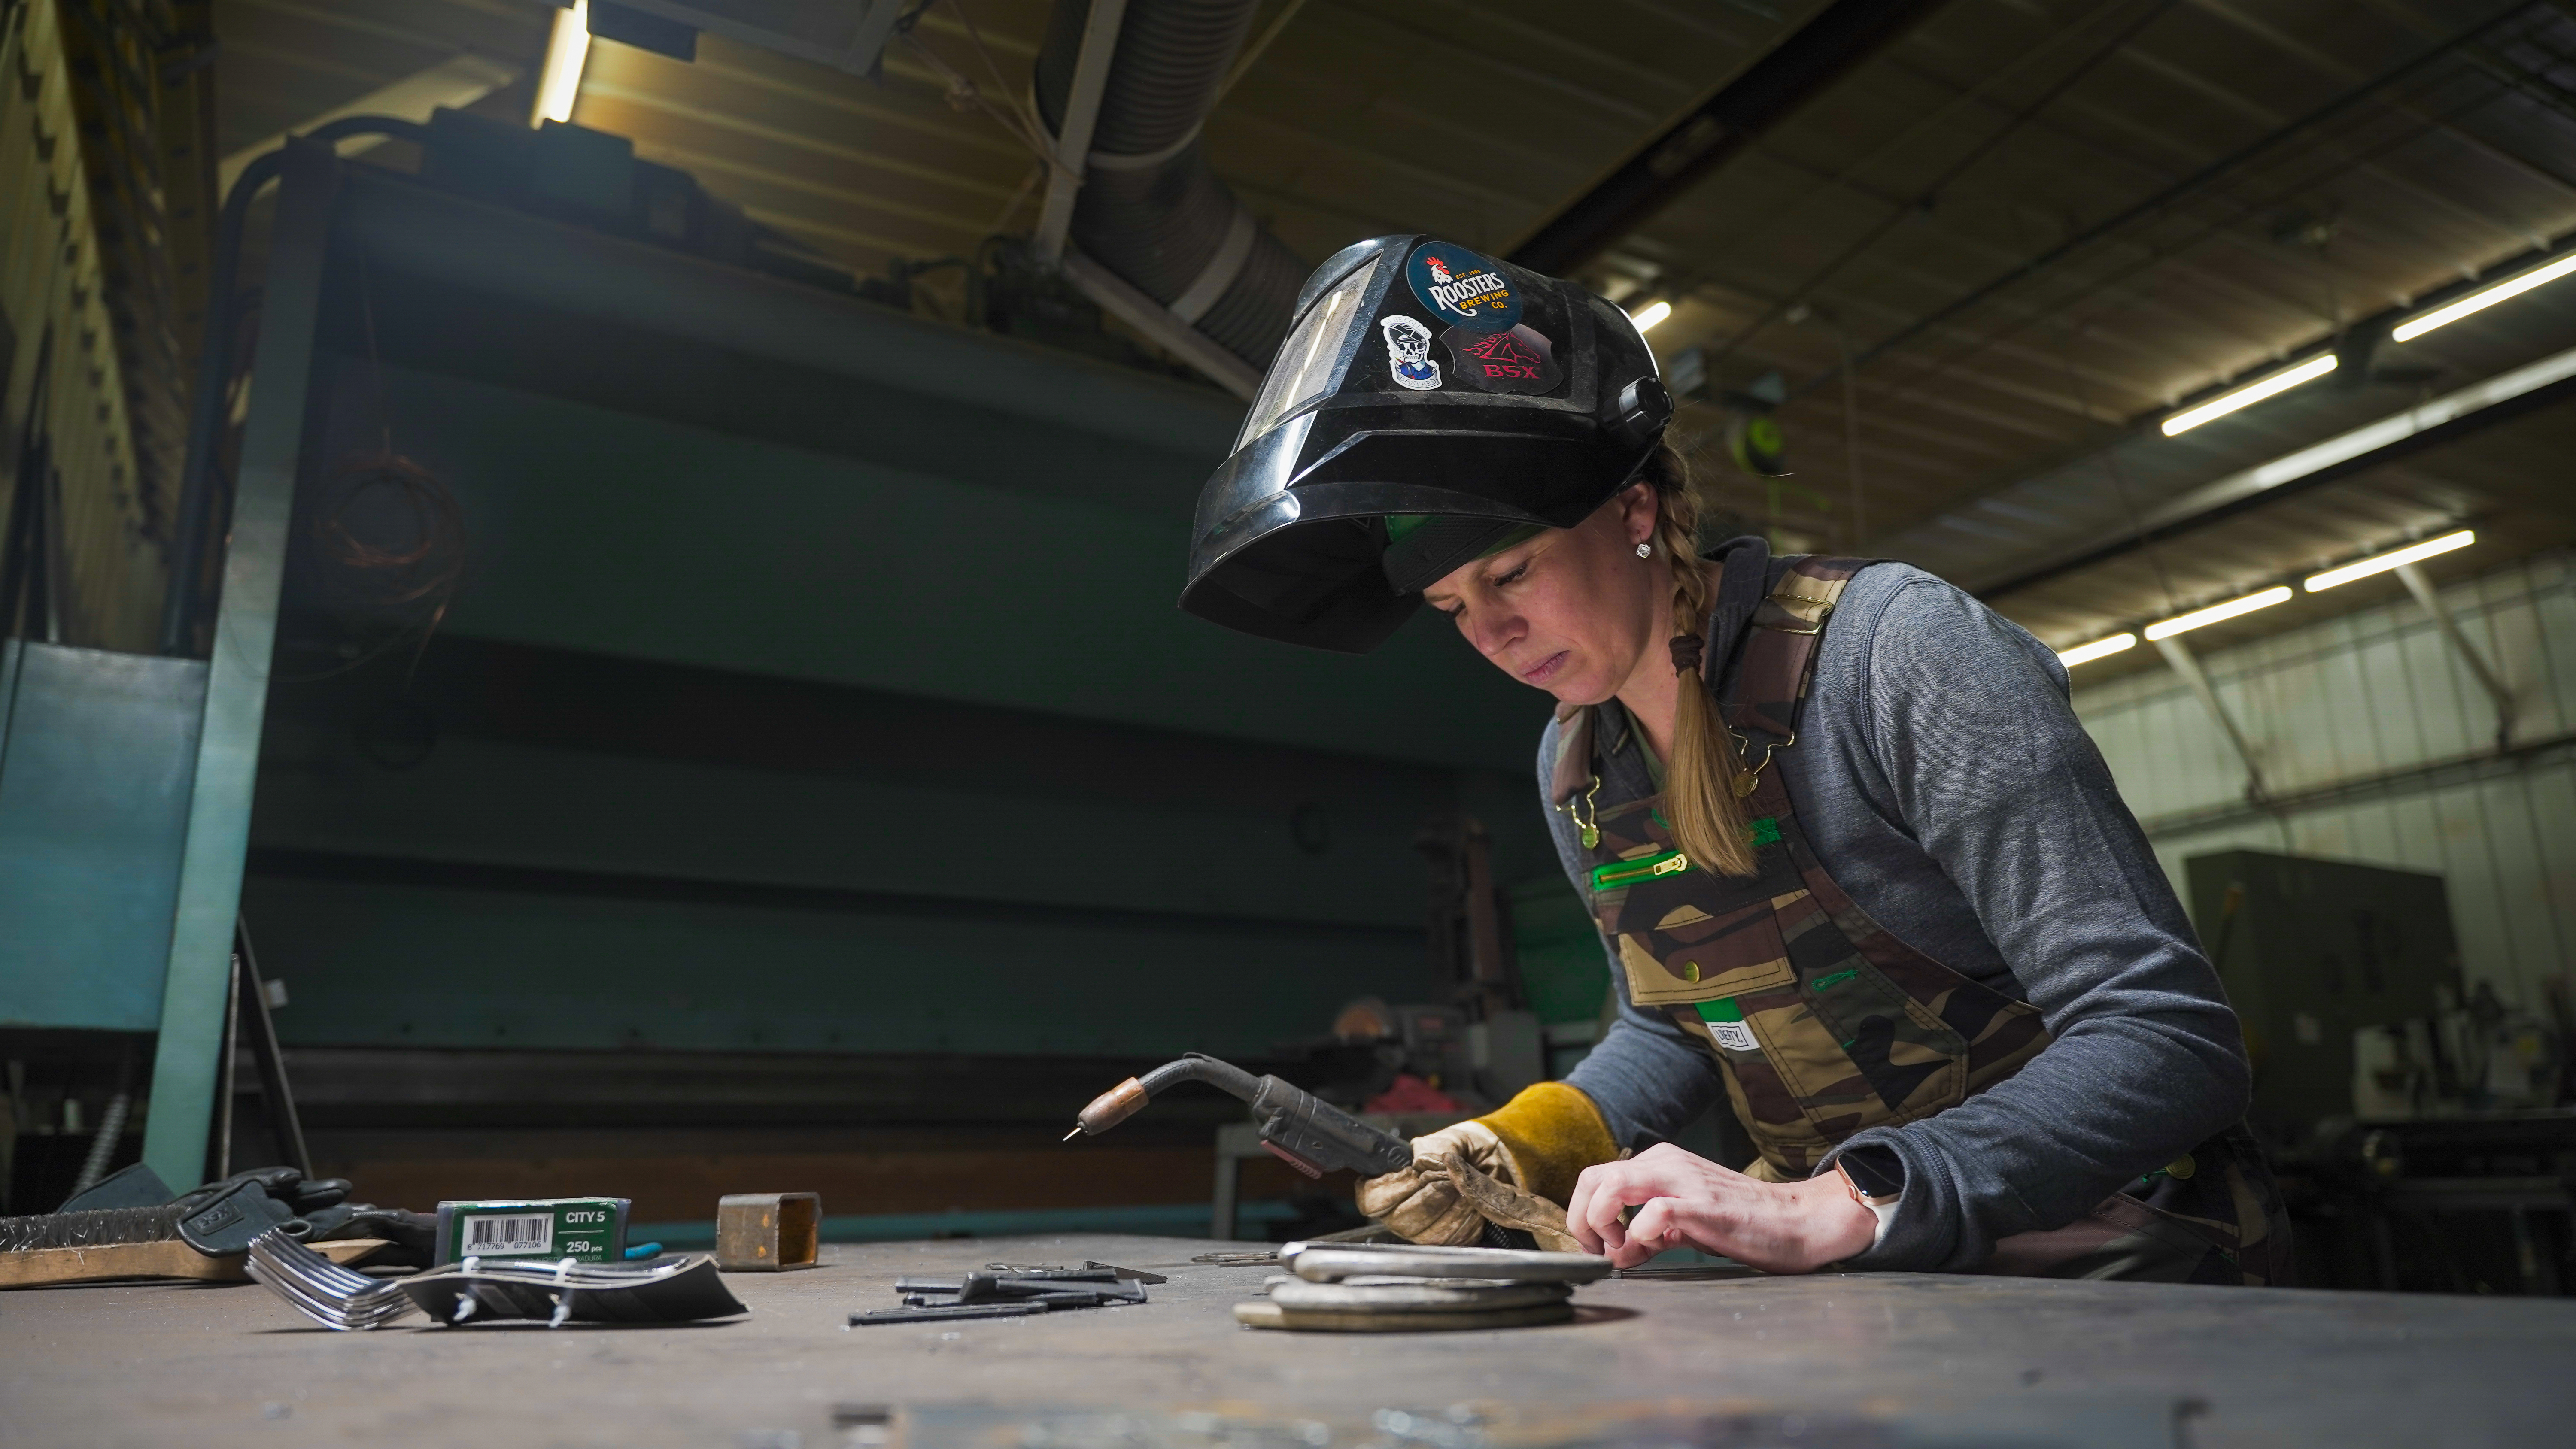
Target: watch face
(1869, 1175)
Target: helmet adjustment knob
(1645, 405)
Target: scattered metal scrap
(132, 1225)
(1262, 1259)
(1133, 1275)
(1005, 1291)
(674, 1290)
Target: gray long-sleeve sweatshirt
(1946, 785)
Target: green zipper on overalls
(1628, 872)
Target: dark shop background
(718, 512)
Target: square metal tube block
(767, 1232)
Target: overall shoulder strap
(1780, 648)
(1572, 770)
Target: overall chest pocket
(1686, 936)
(1818, 1040)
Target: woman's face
(1573, 611)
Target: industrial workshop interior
(1301, 724)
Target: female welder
(1857, 866)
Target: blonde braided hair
(1707, 818)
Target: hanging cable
(427, 565)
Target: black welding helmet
(1429, 406)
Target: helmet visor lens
(1309, 360)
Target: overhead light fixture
(2393, 559)
(1650, 314)
(2479, 301)
(2250, 394)
(2087, 653)
(559, 84)
(2278, 593)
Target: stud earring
(1645, 550)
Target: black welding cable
(1196, 1067)
(206, 414)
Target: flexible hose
(1224, 1076)
(1158, 226)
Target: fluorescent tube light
(2215, 612)
(2250, 394)
(2086, 653)
(559, 84)
(2414, 327)
(2395, 558)
(1653, 312)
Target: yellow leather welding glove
(1537, 1143)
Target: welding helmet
(1429, 406)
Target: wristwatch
(1870, 1185)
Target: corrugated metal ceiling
(2033, 224)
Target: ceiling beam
(2156, 204)
(2138, 426)
(456, 82)
(1824, 50)
(2472, 409)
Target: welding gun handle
(1304, 1128)
(1308, 1128)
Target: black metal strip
(277, 863)
(1823, 51)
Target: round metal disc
(1261, 1314)
(1418, 1296)
(1351, 1260)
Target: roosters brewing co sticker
(1408, 353)
(1520, 359)
(1462, 288)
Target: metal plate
(1417, 1295)
(1259, 1314)
(1350, 1260)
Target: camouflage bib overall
(1823, 1023)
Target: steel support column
(2185, 663)
(2419, 584)
(195, 992)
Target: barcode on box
(503, 1233)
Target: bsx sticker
(1462, 288)
(1520, 359)
(1408, 353)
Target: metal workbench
(2051, 1363)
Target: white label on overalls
(1735, 1036)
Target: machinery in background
(1470, 934)
(2420, 1126)
(2312, 953)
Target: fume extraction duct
(1125, 86)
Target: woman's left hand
(1791, 1227)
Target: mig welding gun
(1308, 1134)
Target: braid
(1699, 795)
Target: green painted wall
(1079, 821)
(389, 964)
(609, 532)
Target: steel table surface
(158, 1364)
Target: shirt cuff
(1886, 1214)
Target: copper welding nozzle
(1110, 1108)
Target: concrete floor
(1924, 1360)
